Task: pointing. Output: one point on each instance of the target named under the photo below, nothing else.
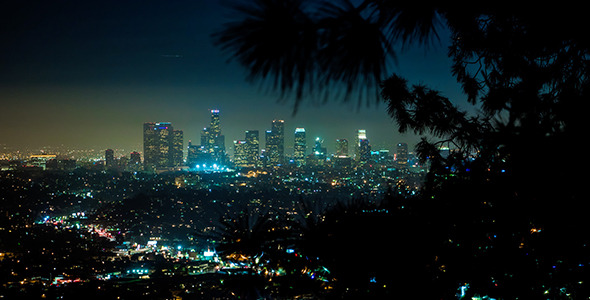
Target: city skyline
(289, 139)
(83, 75)
(251, 149)
(330, 142)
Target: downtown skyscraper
(212, 141)
(252, 148)
(299, 147)
(162, 145)
(211, 151)
(364, 147)
(247, 152)
(402, 155)
(240, 154)
(211, 138)
(275, 143)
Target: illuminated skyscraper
(364, 148)
(299, 147)
(212, 141)
(215, 127)
(156, 144)
(205, 138)
(275, 143)
(402, 155)
(240, 154)
(191, 154)
(160, 142)
(177, 143)
(364, 151)
(252, 148)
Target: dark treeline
(502, 215)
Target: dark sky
(87, 74)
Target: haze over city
(89, 75)
(160, 160)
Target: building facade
(275, 143)
(252, 148)
(212, 141)
(240, 154)
(299, 147)
(162, 145)
(364, 148)
(401, 157)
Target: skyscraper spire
(212, 142)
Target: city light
(120, 177)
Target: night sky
(88, 74)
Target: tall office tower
(155, 144)
(205, 137)
(364, 148)
(361, 135)
(216, 140)
(299, 147)
(212, 140)
(159, 143)
(252, 148)
(341, 147)
(191, 154)
(215, 127)
(364, 151)
(275, 143)
(264, 153)
(109, 158)
(176, 149)
(240, 153)
(278, 127)
(402, 155)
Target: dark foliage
(502, 211)
(305, 54)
